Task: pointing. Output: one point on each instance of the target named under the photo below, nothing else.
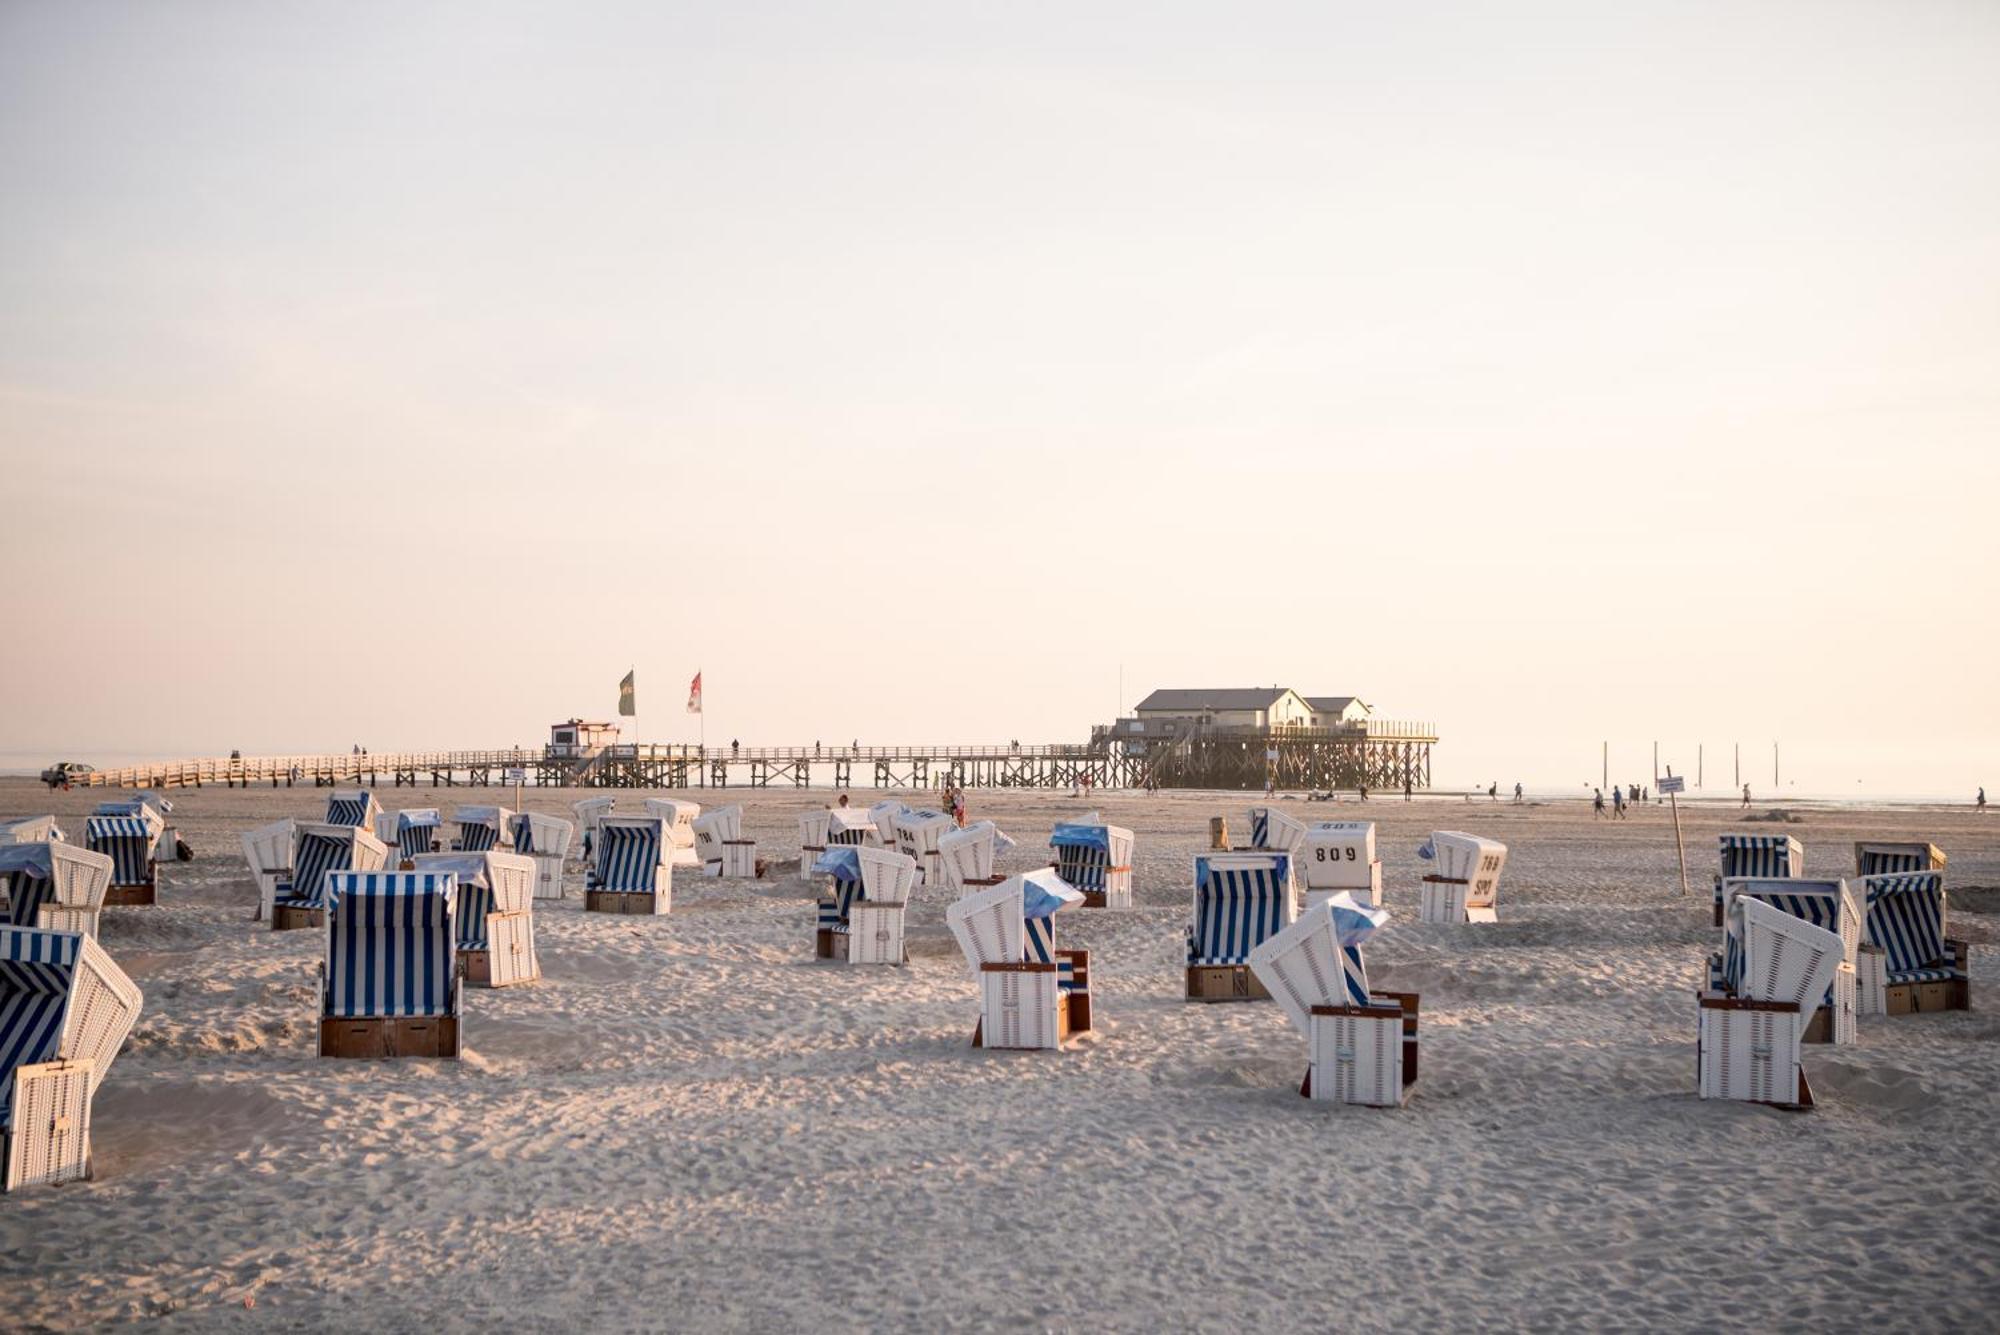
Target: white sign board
(517, 776)
(1673, 784)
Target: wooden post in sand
(1672, 788)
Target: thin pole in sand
(1739, 766)
(1680, 845)
(1606, 780)
(1699, 771)
(1774, 766)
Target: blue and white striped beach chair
(632, 874)
(1764, 856)
(1032, 995)
(53, 885)
(1363, 1042)
(1780, 968)
(1272, 830)
(319, 851)
(1240, 900)
(65, 1010)
(1095, 858)
(389, 983)
(131, 840)
(355, 808)
(1908, 964)
(831, 911)
(417, 831)
(494, 914)
(481, 828)
(1876, 858)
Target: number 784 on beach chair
(1363, 1042)
(1031, 995)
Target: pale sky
(1556, 372)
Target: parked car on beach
(65, 772)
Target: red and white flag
(694, 695)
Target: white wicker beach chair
(1275, 831)
(632, 873)
(546, 839)
(267, 850)
(812, 840)
(882, 816)
(678, 816)
(968, 856)
(56, 886)
(719, 842)
(318, 851)
(1466, 885)
(873, 930)
(1095, 858)
(389, 983)
(1337, 856)
(494, 915)
(1827, 904)
(1363, 1042)
(1031, 994)
(917, 835)
(1240, 901)
(1749, 1039)
(589, 811)
(31, 830)
(65, 1010)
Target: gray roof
(1330, 704)
(1233, 697)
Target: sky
(1557, 373)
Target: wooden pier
(1299, 759)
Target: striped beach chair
(849, 826)
(631, 874)
(968, 856)
(1764, 856)
(859, 918)
(1749, 1037)
(1825, 904)
(1339, 855)
(481, 828)
(389, 983)
(546, 839)
(1240, 901)
(589, 811)
(417, 832)
(1274, 831)
(1907, 963)
(1874, 858)
(31, 830)
(883, 816)
(351, 808)
(1362, 1042)
(131, 839)
(318, 852)
(1032, 995)
(831, 911)
(719, 843)
(1097, 859)
(678, 816)
(494, 915)
(65, 1010)
(56, 886)
(267, 851)
(1465, 887)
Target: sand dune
(688, 1123)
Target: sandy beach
(690, 1124)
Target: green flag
(627, 707)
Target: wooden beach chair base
(617, 901)
(1748, 1051)
(1834, 1022)
(829, 944)
(50, 1140)
(141, 895)
(1364, 1055)
(509, 957)
(293, 918)
(875, 934)
(1224, 982)
(389, 1036)
(1022, 1008)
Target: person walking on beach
(1746, 797)
(1409, 790)
(1493, 791)
(1982, 799)
(1618, 804)
(958, 806)
(1597, 804)
(1364, 792)
(1517, 792)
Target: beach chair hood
(1783, 958)
(1316, 961)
